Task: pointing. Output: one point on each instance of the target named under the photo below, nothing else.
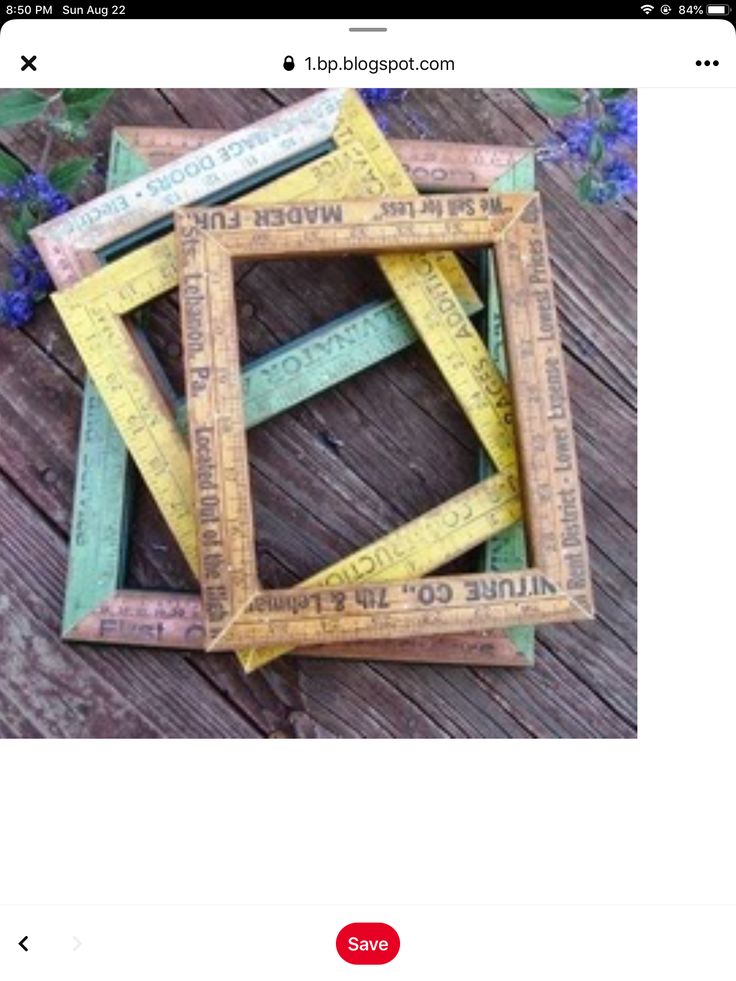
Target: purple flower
(598, 145)
(29, 254)
(576, 136)
(20, 272)
(56, 203)
(40, 284)
(614, 180)
(19, 193)
(621, 175)
(28, 271)
(601, 193)
(29, 281)
(37, 191)
(620, 122)
(377, 97)
(16, 308)
(30, 284)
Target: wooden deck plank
(82, 690)
(219, 108)
(39, 409)
(328, 477)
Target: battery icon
(718, 9)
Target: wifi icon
(647, 8)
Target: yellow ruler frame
(349, 601)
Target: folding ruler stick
(432, 165)
(419, 282)
(507, 550)
(71, 243)
(237, 611)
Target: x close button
(28, 62)
(367, 943)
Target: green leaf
(585, 187)
(67, 175)
(596, 148)
(15, 228)
(611, 93)
(555, 102)
(21, 106)
(82, 104)
(19, 225)
(10, 169)
(68, 129)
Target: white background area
(373, 824)
(241, 53)
(460, 943)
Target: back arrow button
(22, 943)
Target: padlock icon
(289, 63)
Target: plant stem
(46, 151)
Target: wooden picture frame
(238, 612)
(93, 312)
(99, 531)
(164, 619)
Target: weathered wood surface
(327, 478)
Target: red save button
(368, 943)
